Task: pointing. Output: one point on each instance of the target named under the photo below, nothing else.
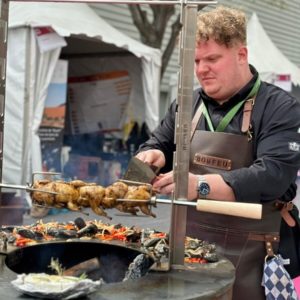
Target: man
(245, 147)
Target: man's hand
(164, 183)
(152, 157)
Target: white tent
(265, 55)
(29, 72)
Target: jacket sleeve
(276, 153)
(162, 137)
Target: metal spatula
(140, 171)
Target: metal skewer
(153, 200)
(26, 188)
(237, 209)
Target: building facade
(280, 19)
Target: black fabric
(275, 123)
(289, 246)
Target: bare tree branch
(140, 20)
(152, 28)
(152, 33)
(176, 27)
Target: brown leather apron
(241, 240)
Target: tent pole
(4, 5)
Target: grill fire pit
(112, 261)
(191, 281)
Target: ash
(138, 267)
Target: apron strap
(196, 119)
(248, 106)
(246, 123)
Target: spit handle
(237, 209)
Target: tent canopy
(265, 55)
(77, 19)
(29, 72)
(80, 21)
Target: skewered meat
(116, 191)
(65, 193)
(94, 194)
(77, 194)
(141, 192)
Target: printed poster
(97, 102)
(51, 130)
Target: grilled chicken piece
(66, 193)
(115, 191)
(141, 192)
(77, 194)
(79, 183)
(82, 201)
(42, 198)
(94, 194)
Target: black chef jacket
(276, 141)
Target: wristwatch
(203, 187)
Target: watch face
(204, 189)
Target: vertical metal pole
(182, 131)
(3, 49)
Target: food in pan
(77, 194)
(54, 286)
(151, 241)
(58, 286)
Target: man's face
(219, 68)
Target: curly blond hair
(226, 26)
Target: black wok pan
(114, 259)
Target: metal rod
(154, 200)
(182, 132)
(156, 2)
(13, 186)
(177, 202)
(44, 174)
(26, 188)
(134, 182)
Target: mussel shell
(62, 233)
(151, 242)
(134, 237)
(90, 229)
(80, 223)
(211, 257)
(8, 228)
(27, 233)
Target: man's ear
(243, 55)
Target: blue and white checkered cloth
(277, 281)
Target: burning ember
(151, 241)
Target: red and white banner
(48, 39)
(283, 81)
